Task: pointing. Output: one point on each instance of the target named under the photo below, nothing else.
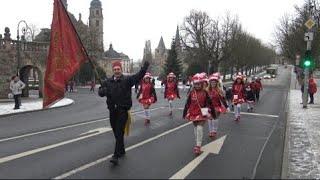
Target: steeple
(178, 41)
(161, 44)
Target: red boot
(213, 134)
(146, 122)
(197, 150)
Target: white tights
(213, 125)
(198, 132)
(237, 110)
(147, 113)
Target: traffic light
(308, 61)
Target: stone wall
(32, 54)
(8, 68)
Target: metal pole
(209, 65)
(18, 52)
(306, 81)
(306, 69)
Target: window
(97, 12)
(97, 22)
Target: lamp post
(24, 31)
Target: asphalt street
(77, 141)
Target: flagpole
(83, 48)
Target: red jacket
(258, 86)
(253, 85)
(312, 86)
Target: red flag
(66, 55)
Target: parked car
(267, 76)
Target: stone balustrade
(24, 46)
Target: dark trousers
(311, 97)
(257, 95)
(118, 120)
(17, 101)
(71, 88)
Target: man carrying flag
(66, 55)
(117, 89)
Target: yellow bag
(128, 124)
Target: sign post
(307, 62)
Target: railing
(25, 46)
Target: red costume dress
(238, 93)
(196, 101)
(147, 94)
(258, 86)
(171, 90)
(218, 101)
(312, 86)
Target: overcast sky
(129, 23)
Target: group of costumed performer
(198, 109)
(171, 91)
(147, 96)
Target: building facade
(111, 56)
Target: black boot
(114, 160)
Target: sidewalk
(29, 105)
(302, 148)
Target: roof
(96, 4)
(111, 53)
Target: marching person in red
(197, 110)
(171, 91)
(258, 88)
(238, 88)
(147, 96)
(218, 103)
(312, 89)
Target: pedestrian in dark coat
(249, 98)
(117, 89)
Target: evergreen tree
(172, 64)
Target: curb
(285, 155)
(36, 110)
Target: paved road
(76, 141)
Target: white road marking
(65, 127)
(97, 130)
(256, 114)
(246, 113)
(52, 130)
(213, 147)
(27, 153)
(86, 166)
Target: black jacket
(249, 95)
(229, 94)
(118, 92)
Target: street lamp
(24, 31)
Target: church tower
(178, 42)
(96, 20)
(65, 3)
